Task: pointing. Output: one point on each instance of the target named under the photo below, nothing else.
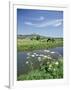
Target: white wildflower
(46, 51)
(33, 55)
(39, 59)
(50, 66)
(27, 62)
(56, 63)
(52, 52)
(45, 56)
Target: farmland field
(27, 44)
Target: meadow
(29, 45)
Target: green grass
(29, 45)
(53, 69)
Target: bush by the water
(49, 69)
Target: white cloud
(29, 23)
(53, 23)
(58, 24)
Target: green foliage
(37, 37)
(53, 69)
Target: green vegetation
(37, 42)
(49, 68)
(52, 69)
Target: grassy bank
(29, 45)
(53, 69)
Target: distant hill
(33, 36)
(29, 36)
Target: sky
(43, 22)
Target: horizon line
(42, 35)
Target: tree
(37, 37)
(48, 39)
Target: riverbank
(49, 70)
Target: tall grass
(29, 45)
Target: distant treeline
(36, 37)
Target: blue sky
(42, 22)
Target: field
(29, 44)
